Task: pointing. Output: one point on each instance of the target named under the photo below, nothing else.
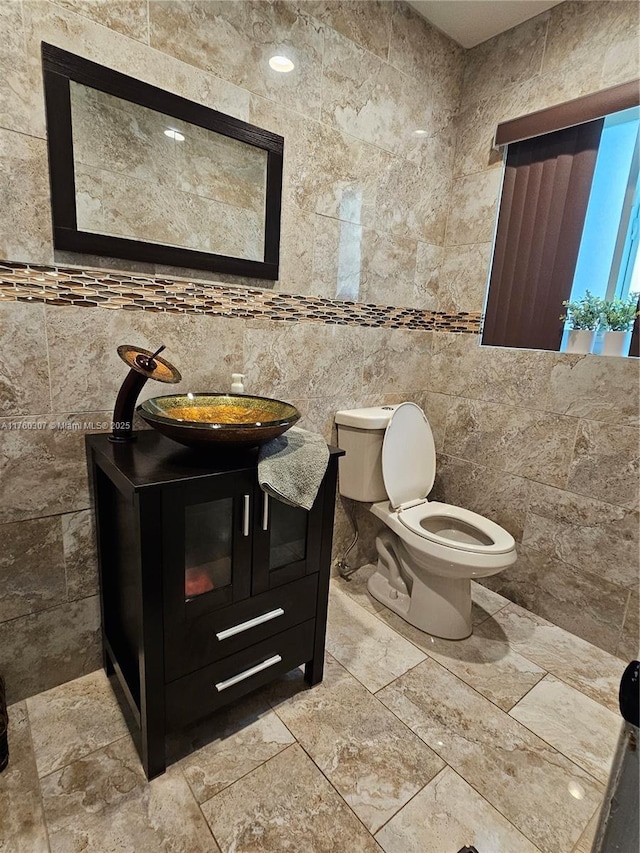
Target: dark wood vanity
(209, 588)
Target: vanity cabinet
(209, 588)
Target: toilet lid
(408, 455)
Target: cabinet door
(207, 544)
(286, 543)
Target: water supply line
(344, 569)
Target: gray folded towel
(291, 467)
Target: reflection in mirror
(146, 176)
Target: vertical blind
(544, 203)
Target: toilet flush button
(393, 593)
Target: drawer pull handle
(222, 685)
(250, 623)
(265, 512)
(245, 516)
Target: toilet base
(437, 605)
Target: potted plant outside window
(582, 318)
(617, 319)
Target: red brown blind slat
(542, 211)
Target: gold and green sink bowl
(205, 420)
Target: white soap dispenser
(237, 383)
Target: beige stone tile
(25, 232)
(484, 660)
(79, 34)
(388, 268)
(629, 643)
(591, 535)
(427, 279)
(605, 463)
(414, 194)
(369, 99)
(587, 839)
(371, 651)
(449, 814)
(422, 51)
(73, 720)
(621, 63)
(188, 340)
(43, 469)
(462, 283)
(42, 650)
(598, 388)
(574, 724)
(364, 551)
(230, 744)
(266, 812)
(532, 444)
(474, 200)
(436, 408)
(505, 59)
(128, 17)
(366, 24)
(355, 586)
(235, 41)
(32, 572)
(464, 367)
(396, 360)
(296, 250)
(22, 824)
(496, 755)
(16, 97)
(80, 554)
(375, 763)
(104, 802)
(295, 359)
(584, 666)
(583, 603)
(24, 379)
(485, 602)
(571, 45)
(495, 494)
(338, 260)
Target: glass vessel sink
(207, 420)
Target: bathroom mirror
(142, 174)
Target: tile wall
(544, 443)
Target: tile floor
(410, 745)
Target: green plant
(618, 315)
(584, 313)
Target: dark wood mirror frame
(61, 67)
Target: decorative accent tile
(91, 288)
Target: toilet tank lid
(376, 417)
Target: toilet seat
(456, 527)
(408, 471)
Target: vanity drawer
(202, 692)
(194, 643)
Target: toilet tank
(360, 434)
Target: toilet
(429, 551)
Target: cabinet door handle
(245, 515)
(265, 512)
(250, 623)
(229, 682)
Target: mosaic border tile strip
(91, 288)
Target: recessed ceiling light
(420, 132)
(576, 790)
(174, 134)
(282, 64)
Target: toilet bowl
(430, 551)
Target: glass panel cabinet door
(286, 542)
(207, 545)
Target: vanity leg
(314, 670)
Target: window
(569, 216)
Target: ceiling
(470, 22)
